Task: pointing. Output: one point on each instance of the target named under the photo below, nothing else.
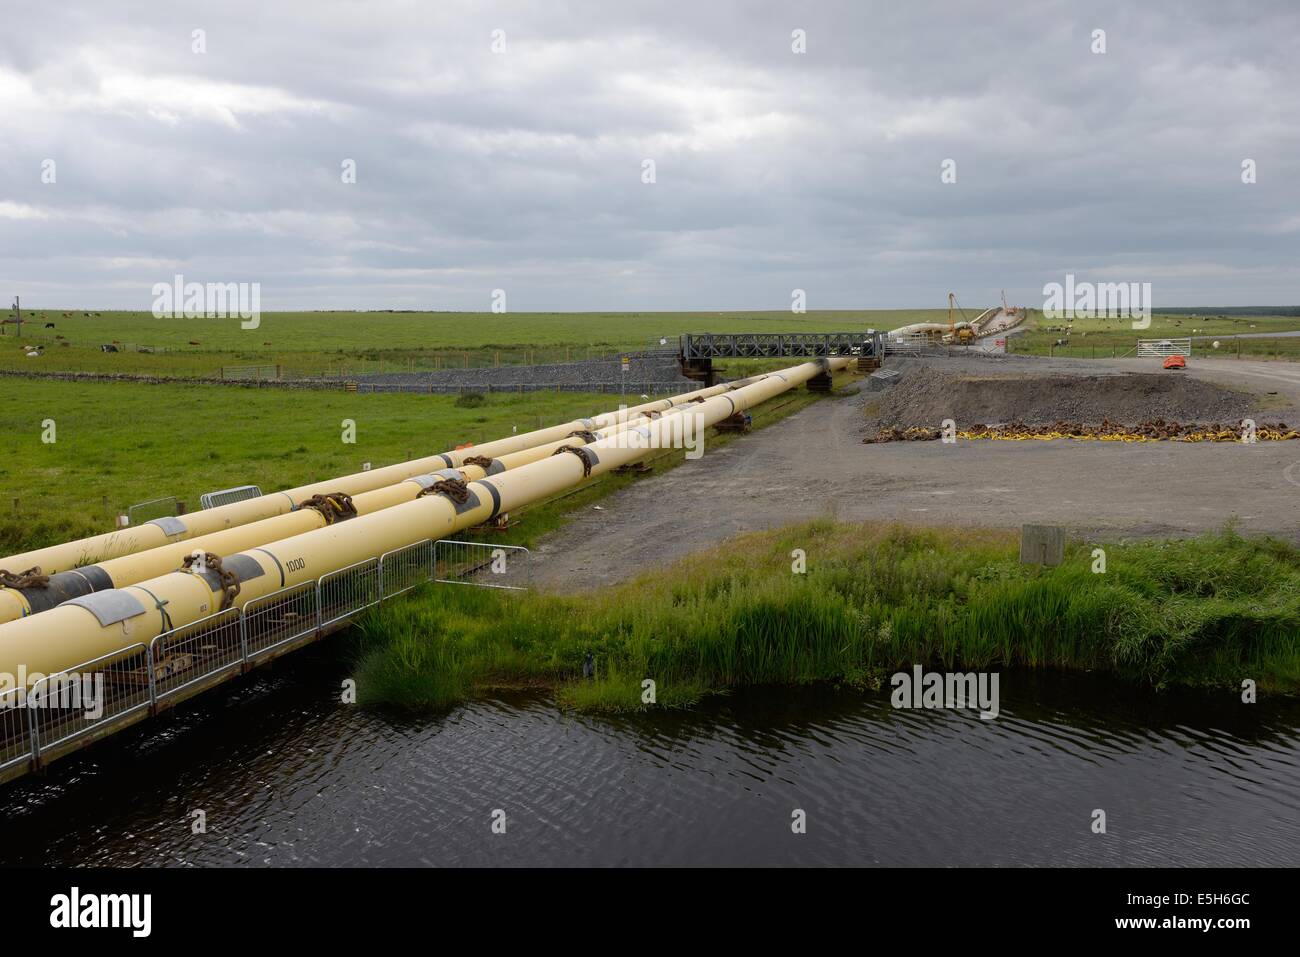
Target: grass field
(874, 599)
(349, 343)
(121, 443)
(1104, 338)
(315, 342)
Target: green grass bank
(1207, 612)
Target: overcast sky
(522, 168)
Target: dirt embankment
(926, 396)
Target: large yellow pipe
(128, 569)
(106, 622)
(98, 548)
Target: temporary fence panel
(15, 738)
(101, 692)
(404, 568)
(280, 617)
(154, 508)
(182, 656)
(476, 563)
(225, 496)
(349, 590)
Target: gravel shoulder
(814, 464)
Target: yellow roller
(109, 621)
(164, 531)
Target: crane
(965, 333)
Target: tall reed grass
(875, 598)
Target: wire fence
(95, 697)
(453, 360)
(15, 737)
(613, 385)
(251, 373)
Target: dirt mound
(927, 396)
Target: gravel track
(815, 464)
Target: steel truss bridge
(759, 345)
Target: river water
(286, 775)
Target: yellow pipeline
(106, 622)
(98, 548)
(129, 569)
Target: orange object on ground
(1175, 362)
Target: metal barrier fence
(469, 563)
(914, 345)
(74, 703)
(154, 508)
(405, 568)
(225, 496)
(349, 590)
(107, 691)
(185, 655)
(15, 733)
(281, 617)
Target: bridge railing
(99, 696)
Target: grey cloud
(775, 171)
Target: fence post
(243, 640)
(32, 733)
(319, 613)
(149, 663)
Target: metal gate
(1163, 348)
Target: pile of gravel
(927, 396)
